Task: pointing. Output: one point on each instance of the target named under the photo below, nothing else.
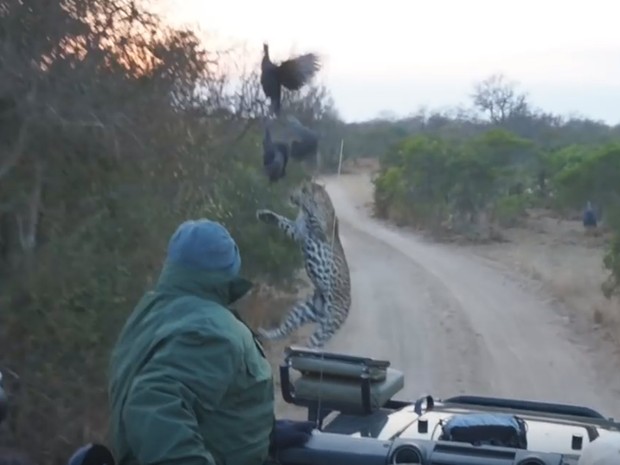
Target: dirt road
(455, 323)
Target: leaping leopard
(316, 231)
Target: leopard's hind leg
(303, 312)
(327, 328)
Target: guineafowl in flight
(305, 142)
(302, 145)
(275, 157)
(293, 74)
(589, 217)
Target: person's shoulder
(199, 318)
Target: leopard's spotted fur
(316, 230)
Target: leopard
(316, 230)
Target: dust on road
(453, 322)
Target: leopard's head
(307, 195)
(313, 198)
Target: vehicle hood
(544, 434)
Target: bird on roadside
(589, 217)
(292, 74)
(305, 142)
(275, 157)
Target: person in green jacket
(189, 382)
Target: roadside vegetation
(478, 172)
(114, 128)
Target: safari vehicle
(351, 399)
(359, 422)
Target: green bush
(118, 154)
(590, 177)
(509, 210)
(436, 183)
(60, 318)
(389, 190)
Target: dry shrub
(114, 128)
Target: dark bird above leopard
(301, 144)
(275, 157)
(305, 142)
(293, 74)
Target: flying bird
(275, 157)
(293, 74)
(305, 142)
(302, 144)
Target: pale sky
(399, 55)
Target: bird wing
(305, 141)
(267, 141)
(276, 166)
(300, 131)
(282, 154)
(304, 149)
(295, 72)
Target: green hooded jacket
(189, 383)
